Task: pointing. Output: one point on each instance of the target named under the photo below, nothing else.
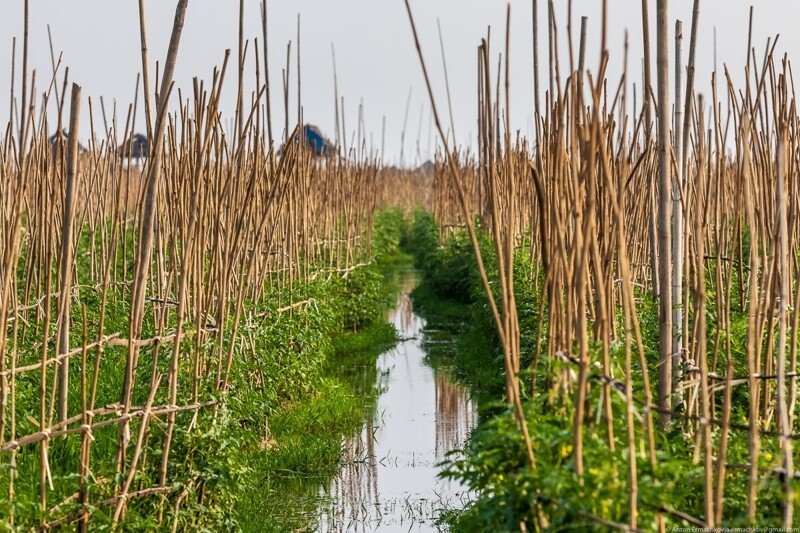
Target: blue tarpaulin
(316, 141)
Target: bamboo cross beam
(132, 414)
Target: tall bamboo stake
(447, 83)
(53, 65)
(240, 86)
(499, 321)
(148, 95)
(648, 132)
(145, 247)
(66, 253)
(264, 20)
(784, 426)
(677, 222)
(664, 227)
(535, 23)
(23, 108)
(753, 366)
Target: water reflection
(455, 413)
(389, 478)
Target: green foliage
(449, 269)
(389, 230)
(363, 298)
(304, 442)
(494, 465)
(287, 408)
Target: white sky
(376, 59)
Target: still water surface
(389, 478)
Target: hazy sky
(375, 55)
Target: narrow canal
(389, 478)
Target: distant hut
(137, 147)
(316, 142)
(428, 167)
(53, 142)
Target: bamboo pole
(240, 86)
(784, 427)
(499, 321)
(66, 252)
(86, 436)
(664, 224)
(754, 441)
(535, 24)
(54, 67)
(446, 83)
(148, 96)
(13, 85)
(123, 496)
(264, 20)
(146, 232)
(23, 108)
(648, 131)
(678, 243)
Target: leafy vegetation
(494, 463)
(291, 400)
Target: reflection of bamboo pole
(453, 413)
(372, 461)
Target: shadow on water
(389, 475)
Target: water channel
(389, 478)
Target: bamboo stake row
(699, 211)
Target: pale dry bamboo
(66, 253)
(664, 222)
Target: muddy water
(389, 479)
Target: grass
(303, 450)
(289, 403)
(306, 439)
